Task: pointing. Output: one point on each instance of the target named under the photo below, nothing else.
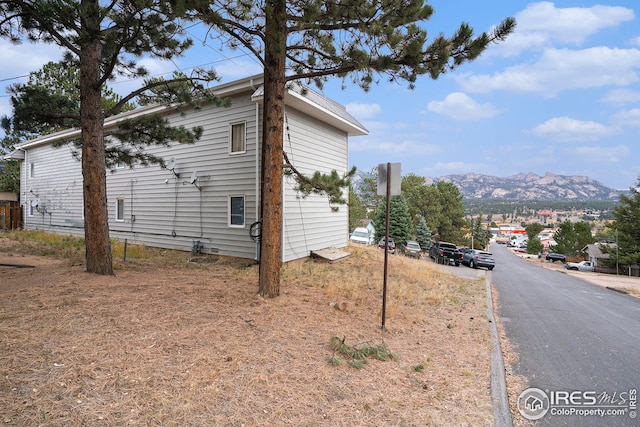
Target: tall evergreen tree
(104, 40)
(627, 226)
(358, 40)
(368, 190)
(533, 230)
(423, 235)
(571, 238)
(414, 189)
(357, 210)
(451, 217)
(400, 225)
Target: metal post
(617, 267)
(386, 249)
(124, 256)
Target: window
(120, 210)
(31, 170)
(31, 209)
(238, 138)
(236, 211)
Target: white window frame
(244, 138)
(31, 170)
(120, 209)
(230, 210)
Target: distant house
(595, 253)
(209, 195)
(371, 226)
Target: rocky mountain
(529, 186)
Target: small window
(31, 170)
(236, 211)
(238, 138)
(120, 210)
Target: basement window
(236, 211)
(120, 210)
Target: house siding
(310, 223)
(163, 209)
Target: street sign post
(388, 185)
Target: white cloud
(635, 41)
(398, 146)
(619, 97)
(627, 118)
(602, 154)
(21, 59)
(237, 68)
(562, 69)
(541, 24)
(450, 168)
(363, 111)
(565, 129)
(460, 106)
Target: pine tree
(423, 235)
(399, 220)
(357, 210)
(356, 40)
(627, 225)
(103, 39)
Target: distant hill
(524, 186)
(529, 186)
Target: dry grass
(168, 342)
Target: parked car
(412, 249)
(361, 236)
(445, 253)
(391, 246)
(580, 266)
(475, 258)
(553, 257)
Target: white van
(361, 235)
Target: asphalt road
(571, 337)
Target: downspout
(25, 212)
(258, 151)
(258, 195)
(284, 196)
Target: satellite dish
(171, 164)
(35, 203)
(194, 176)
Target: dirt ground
(191, 344)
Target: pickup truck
(445, 253)
(580, 266)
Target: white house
(209, 194)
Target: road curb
(499, 396)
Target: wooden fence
(10, 215)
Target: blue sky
(561, 95)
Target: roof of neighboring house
(297, 96)
(595, 250)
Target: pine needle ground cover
(175, 341)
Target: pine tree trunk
(94, 170)
(272, 146)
